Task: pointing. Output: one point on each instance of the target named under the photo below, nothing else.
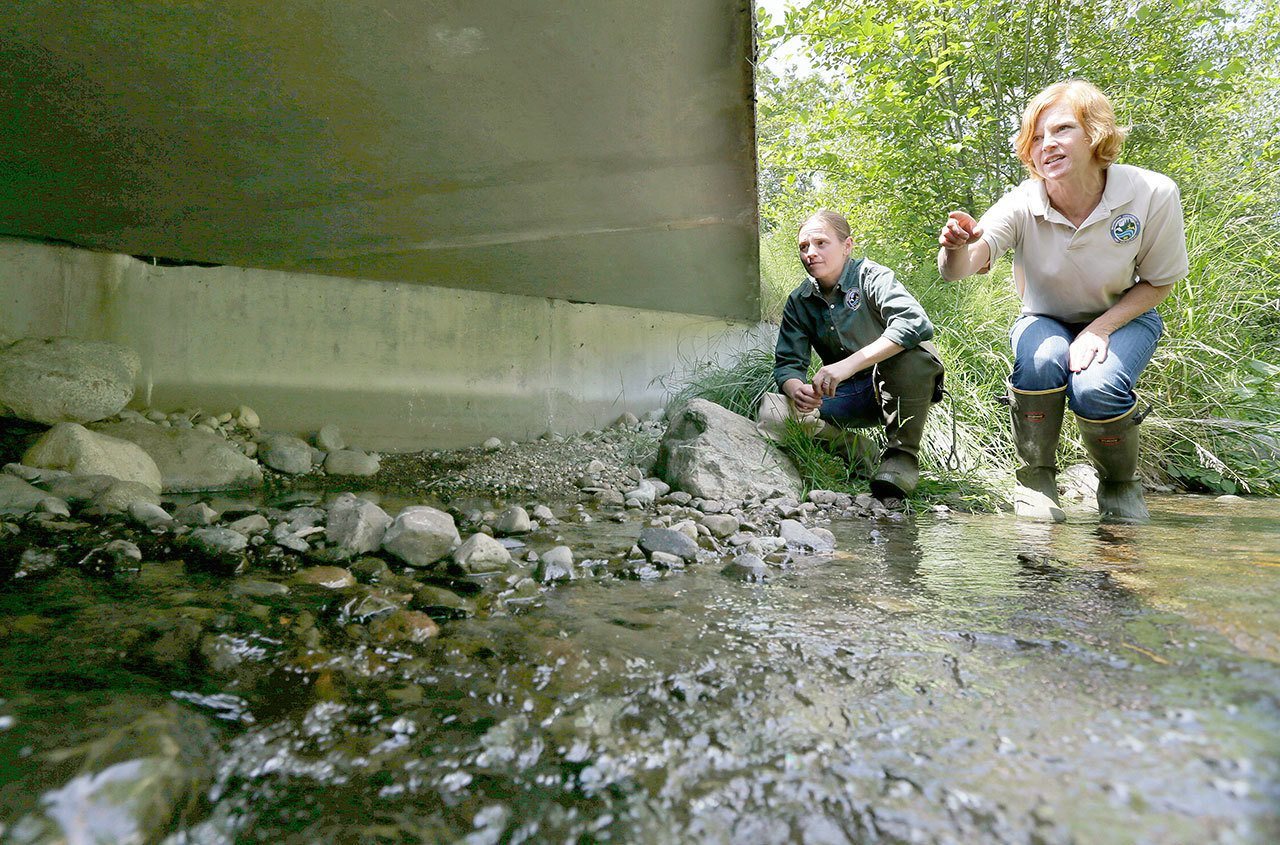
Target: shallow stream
(944, 678)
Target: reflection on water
(950, 678)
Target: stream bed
(947, 677)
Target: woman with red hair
(1096, 247)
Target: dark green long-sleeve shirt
(874, 304)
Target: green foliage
(908, 113)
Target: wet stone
(421, 535)
(796, 535)
(250, 525)
(746, 567)
(403, 626)
(513, 520)
(196, 514)
(721, 525)
(440, 603)
(481, 554)
(218, 548)
(257, 589)
(665, 540)
(662, 560)
(555, 564)
(331, 577)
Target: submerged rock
(747, 567)
(133, 785)
(65, 380)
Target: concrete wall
(582, 150)
(397, 365)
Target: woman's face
(823, 254)
(1059, 146)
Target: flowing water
(944, 678)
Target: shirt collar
(1117, 192)
(848, 278)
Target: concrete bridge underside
(434, 221)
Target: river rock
(196, 514)
(481, 555)
(72, 447)
(332, 577)
(356, 525)
(329, 438)
(797, 536)
(149, 515)
(19, 497)
(493, 444)
(421, 535)
(351, 462)
(220, 549)
(513, 520)
(555, 564)
(711, 452)
(663, 560)
(254, 523)
(75, 488)
(285, 453)
(543, 514)
(403, 626)
(439, 603)
(64, 380)
(246, 417)
(190, 460)
(655, 539)
(747, 567)
(123, 495)
(643, 495)
(133, 785)
(721, 525)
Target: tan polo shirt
(1134, 234)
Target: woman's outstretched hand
(959, 230)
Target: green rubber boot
(899, 469)
(1037, 422)
(1113, 446)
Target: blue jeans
(855, 404)
(1100, 392)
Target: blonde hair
(833, 220)
(1092, 109)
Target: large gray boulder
(356, 525)
(421, 535)
(189, 459)
(59, 379)
(710, 451)
(76, 449)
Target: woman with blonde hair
(1096, 247)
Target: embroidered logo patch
(853, 299)
(1126, 227)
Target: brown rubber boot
(899, 469)
(1037, 422)
(1113, 446)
